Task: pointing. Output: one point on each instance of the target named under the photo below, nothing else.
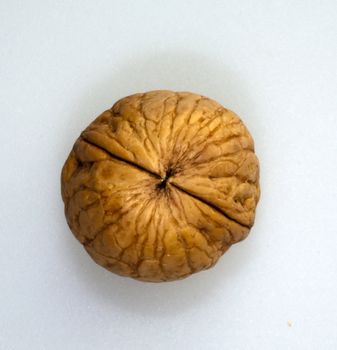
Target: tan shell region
(159, 186)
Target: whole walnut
(159, 186)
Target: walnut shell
(159, 186)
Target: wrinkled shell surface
(159, 186)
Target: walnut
(159, 186)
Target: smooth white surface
(274, 63)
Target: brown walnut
(159, 186)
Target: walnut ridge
(159, 186)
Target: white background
(274, 63)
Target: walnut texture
(159, 186)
